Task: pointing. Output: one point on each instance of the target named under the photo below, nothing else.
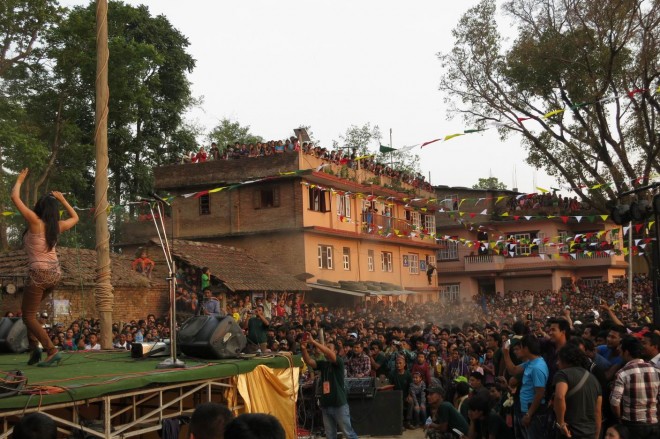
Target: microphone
(159, 198)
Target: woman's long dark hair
(47, 210)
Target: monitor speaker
(381, 415)
(211, 337)
(13, 335)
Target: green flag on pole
(385, 149)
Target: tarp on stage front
(89, 374)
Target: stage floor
(90, 374)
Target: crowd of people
(346, 157)
(504, 364)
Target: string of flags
(630, 94)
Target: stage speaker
(381, 415)
(151, 349)
(13, 335)
(211, 337)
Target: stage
(108, 394)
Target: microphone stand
(172, 362)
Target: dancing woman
(39, 240)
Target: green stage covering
(90, 374)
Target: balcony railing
(381, 224)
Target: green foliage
(47, 118)
(491, 183)
(566, 55)
(358, 138)
(228, 133)
(22, 25)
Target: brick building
(347, 231)
(489, 245)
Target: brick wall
(129, 303)
(181, 178)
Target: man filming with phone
(334, 403)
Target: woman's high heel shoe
(35, 356)
(53, 361)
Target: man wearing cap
(333, 401)
(445, 417)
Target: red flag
(200, 194)
(429, 142)
(564, 219)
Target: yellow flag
(451, 136)
(552, 113)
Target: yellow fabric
(272, 391)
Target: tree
(555, 86)
(491, 183)
(22, 25)
(357, 138)
(228, 133)
(45, 117)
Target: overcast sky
(329, 64)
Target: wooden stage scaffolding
(108, 394)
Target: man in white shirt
(93, 344)
(651, 348)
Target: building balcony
(376, 224)
(500, 263)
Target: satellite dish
(10, 288)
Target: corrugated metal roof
(235, 267)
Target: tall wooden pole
(103, 292)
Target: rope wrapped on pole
(103, 295)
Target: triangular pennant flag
(451, 136)
(552, 113)
(564, 219)
(638, 227)
(484, 212)
(429, 142)
(528, 217)
(604, 217)
(578, 218)
(625, 230)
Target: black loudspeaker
(381, 415)
(13, 335)
(211, 337)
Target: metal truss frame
(129, 414)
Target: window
(449, 252)
(539, 242)
(592, 281)
(325, 257)
(429, 223)
(563, 237)
(370, 260)
(386, 261)
(265, 198)
(414, 263)
(414, 218)
(319, 200)
(346, 258)
(450, 292)
(205, 204)
(523, 243)
(430, 260)
(344, 205)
